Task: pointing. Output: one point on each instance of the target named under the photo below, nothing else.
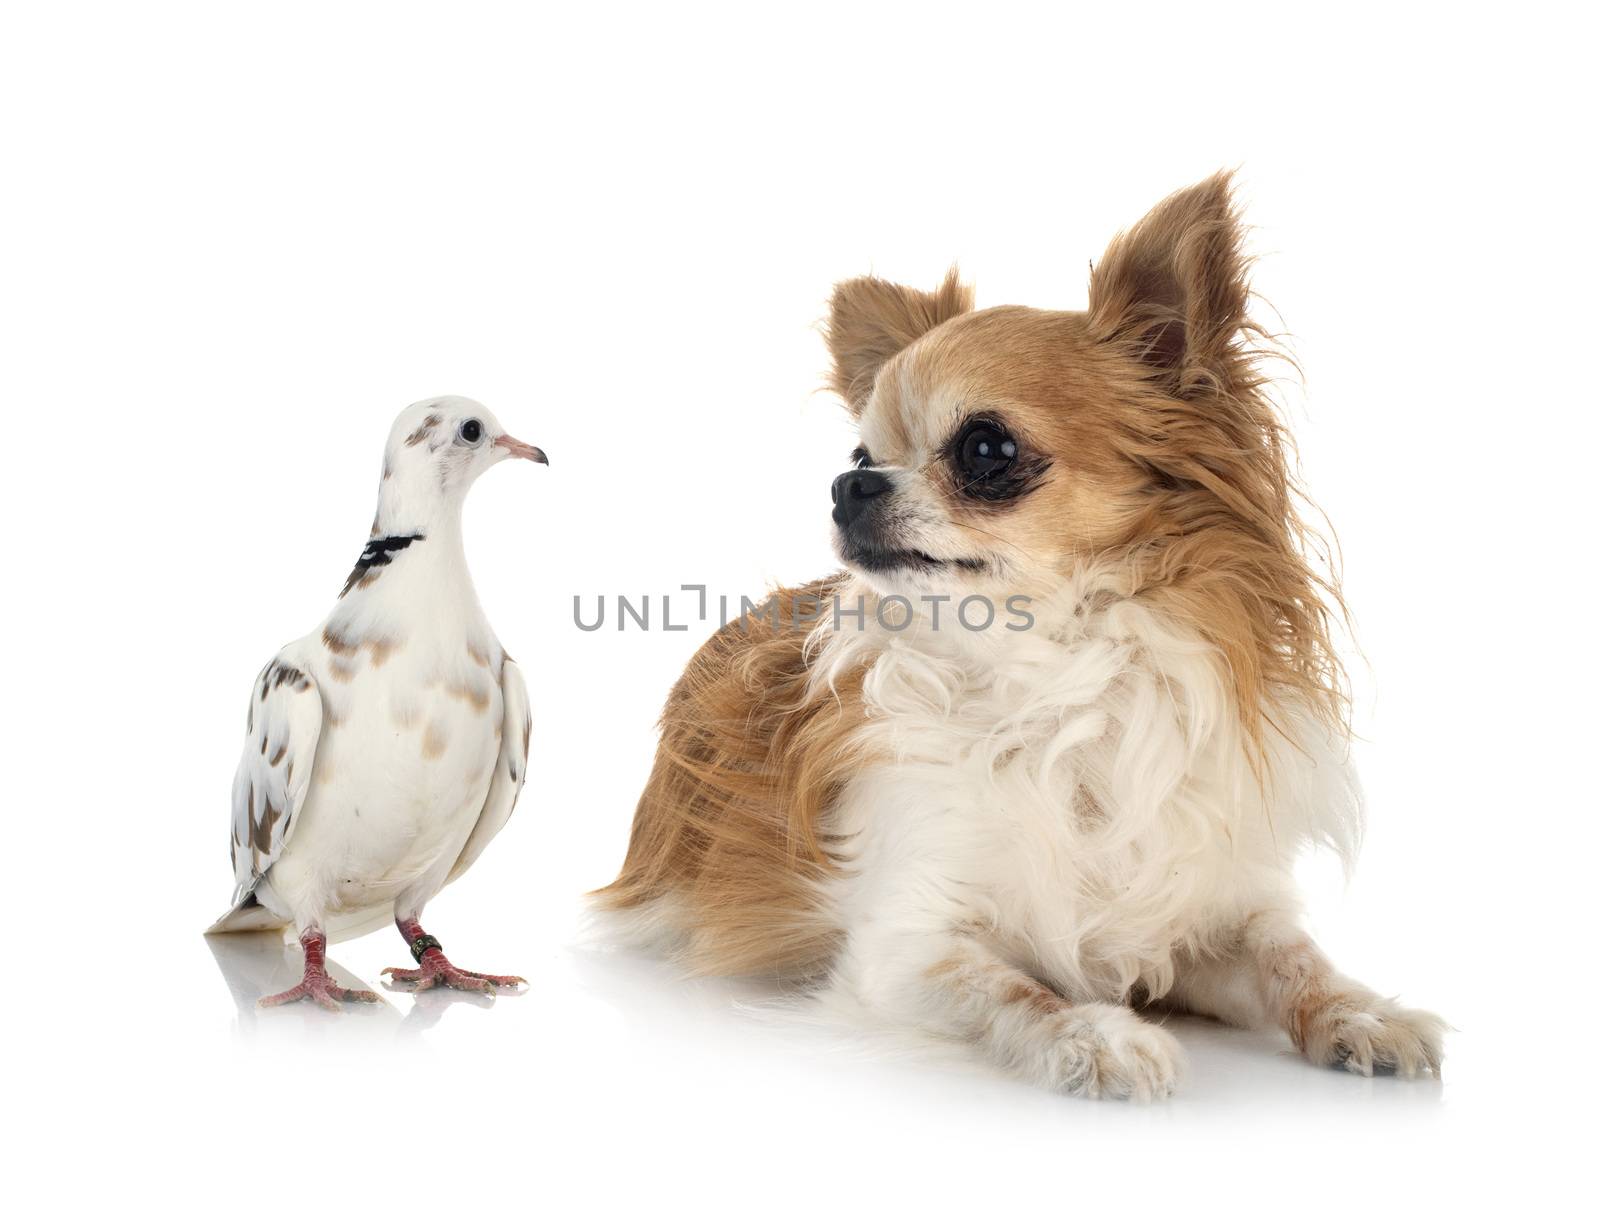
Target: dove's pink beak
(517, 448)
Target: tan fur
(1330, 1017)
(731, 820)
(1157, 446)
(1223, 542)
(870, 319)
(1168, 452)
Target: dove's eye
(471, 431)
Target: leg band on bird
(422, 943)
(436, 971)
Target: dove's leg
(317, 985)
(434, 970)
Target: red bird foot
(436, 971)
(317, 985)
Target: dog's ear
(871, 320)
(1173, 289)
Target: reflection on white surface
(1226, 1065)
(616, 1077)
(254, 965)
(762, 1024)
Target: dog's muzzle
(854, 492)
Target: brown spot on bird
(421, 433)
(261, 829)
(434, 741)
(277, 675)
(338, 643)
(474, 694)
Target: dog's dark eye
(984, 451)
(471, 431)
(861, 458)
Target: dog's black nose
(854, 491)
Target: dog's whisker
(997, 538)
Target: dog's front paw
(1374, 1035)
(1107, 1051)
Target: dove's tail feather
(247, 916)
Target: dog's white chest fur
(1080, 794)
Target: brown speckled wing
(511, 768)
(280, 747)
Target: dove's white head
(437, 448)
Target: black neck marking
(380, 551)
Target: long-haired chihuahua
(1040, 759)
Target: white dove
(385, 750)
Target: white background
(238, 240)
